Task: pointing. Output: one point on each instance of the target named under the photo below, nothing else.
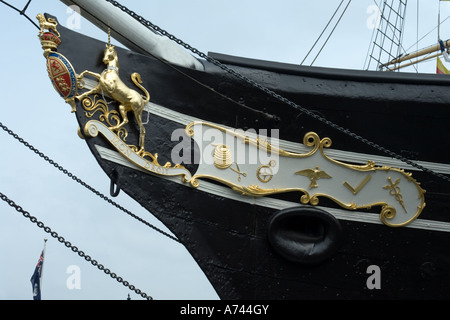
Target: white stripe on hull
(205, 186)
(346, 156)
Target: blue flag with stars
(36, 278)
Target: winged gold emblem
(314, 175)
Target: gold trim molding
(94, 127)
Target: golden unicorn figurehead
(110, 57)
(110, 83)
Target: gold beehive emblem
(222, 157)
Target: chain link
(84, 184)
(22, 12)
(75, 249)
(271, 93)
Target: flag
(36, 278)
(440, 68)
(444, 50)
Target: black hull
(229, 238)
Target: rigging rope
(47, 229)
(383, 34)
(427, 33)
(329, 21)
(332, 31)
(22, 12)
(75, 249)
(417, 34)
(84, 184)
(273, 94)
(373, 33)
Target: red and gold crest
(62, 74)
(59, 69)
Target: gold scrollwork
(367, 174)
(387, 213)
(306, 198)
(111, 117)
(94, 127)
(311, 139)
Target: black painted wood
(229, 239)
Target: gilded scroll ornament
(111, 123)
(326, 177)
(93, 105)
(94, 127)
(273, 170)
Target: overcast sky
(271, 30)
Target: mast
(389, 33)
(36, 278)
(383, 40)
(417, 54)
(42, 269)
(133, 34)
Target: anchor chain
(271, 93)
(84, 184)
(75, 249)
